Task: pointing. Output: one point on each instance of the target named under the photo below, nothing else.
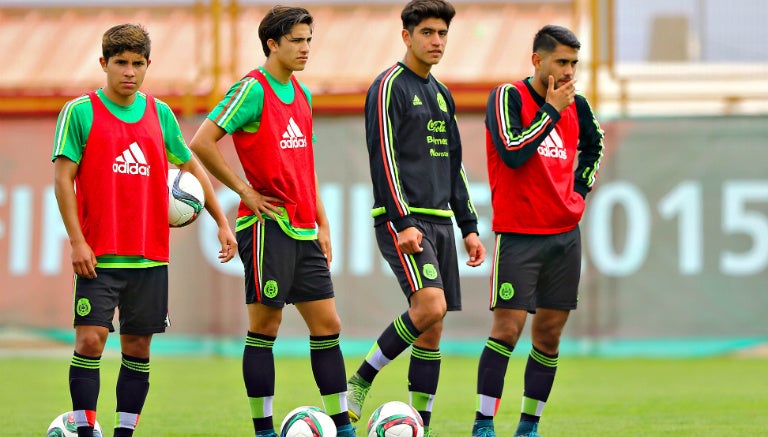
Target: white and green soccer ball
(186, 198)
(395, 419)
(64, 426)
(307, 421)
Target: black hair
(417, 11)
(279, 21)
(549, 36)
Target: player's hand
(228, 244)
(475, 249)
(409, 240)
(324, 240)
(563, 96)
(261, 205)
(83, 260)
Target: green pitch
(618, 397)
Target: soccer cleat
(527, 429)
(357, 390)
(483, 428)
(346, 431)
(271, 433)
(428, 432)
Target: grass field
(204, 396)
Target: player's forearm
(67, 203)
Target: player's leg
(557, 295)
(327, 359)
(513, 282)
(143, 312)
(541, 367)
(84, 375)
(268, 260)
(424, 369)
(94, 308)
(132, 382)
(492, 366)
(424, 372)
(416, 274)
(313, 296)
(259, 364)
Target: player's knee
(428, 314)
(90, 344)
(547, 340)
(331, 325)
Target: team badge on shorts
(506, 291)
(430, 272)
(270, 289)
(83, 307)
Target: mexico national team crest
(430, 272)
(506, 291)
(441, 103)
(270, 288)
(83, 307)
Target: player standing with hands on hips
(418, 185)
(116, 217)
(535, 128)
(282, 229)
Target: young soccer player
(535, 129)
(111, 154)
(418, 185)
(282, 229)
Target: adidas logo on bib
(292, 137)
(131, 161)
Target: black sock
(259, 378)
(84, 386)
(491, 370)
(132, 389)
(423, 375)
(539, 377)
(398, 336)
(330, 375)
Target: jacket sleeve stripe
(386, 135)
(591, 176)
(512, 142)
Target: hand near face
(562, 96)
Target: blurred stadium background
(675, 235)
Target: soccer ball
(395, 419)
(307, 422)
(64, 426)
(185, 198)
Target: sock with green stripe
(423, 375)
(539, 377)
(330, 376)
(259, 378)
(398, 336)
(84, 383)
(491, 370)
(131, 391)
